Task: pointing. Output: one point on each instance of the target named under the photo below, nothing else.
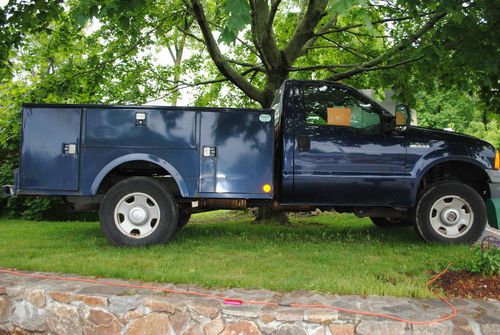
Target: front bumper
(493, 204)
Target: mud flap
(493, 211)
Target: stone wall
(42, 306)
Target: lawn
(330, 253)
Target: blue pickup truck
(320, 145)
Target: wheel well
(139, 168)
(465, 172)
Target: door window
(329, 105)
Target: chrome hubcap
(451, 216)
(137, 215)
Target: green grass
(328, 253)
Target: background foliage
(440, 58)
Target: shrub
(486, 262)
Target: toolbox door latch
(69, 149)
(209, 151)
(140, 119)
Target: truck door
(341, 155)
(50, 149)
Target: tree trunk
(265, 214)
(177, 74)
(176, 53)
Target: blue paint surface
(172, 137)
(304, 163)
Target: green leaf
(102, 12)
(124, 22)
(368, 23)
(237, 17)
(227, 36)
(80, 19)
(94, 10)
(341, 6)
(134, 4)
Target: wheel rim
(137, 215)
(451, 216)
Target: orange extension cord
(230, 301)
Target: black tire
(450, 212)
(389, 222)
(183, 220)
(138, 211)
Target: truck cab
(321, 145)
(344, 150)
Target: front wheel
(450, 212)
(138, 211)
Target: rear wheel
(138, 211)
(450, 212)
(389, 222)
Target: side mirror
(403, 116)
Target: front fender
(422, 168)
(140, 157)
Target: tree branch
(322, 67)
(206, 82)
(263, 35)
(350, 50)
(391, 52)
(216, 55)
(305, 29)
(255, 66)
(172, 54)
(331, 23)
(274, 8)
(244, 43)
(193, 36)
(339, 76)
(181, 84)
(368, 35)
(352, 26)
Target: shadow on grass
(296, 233)
(351, 231)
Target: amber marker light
(497, 161)
(266, 188)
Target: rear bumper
(493, 204)
(8, 190)
(11, 190)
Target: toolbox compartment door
(236, 153)
(50, 149)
